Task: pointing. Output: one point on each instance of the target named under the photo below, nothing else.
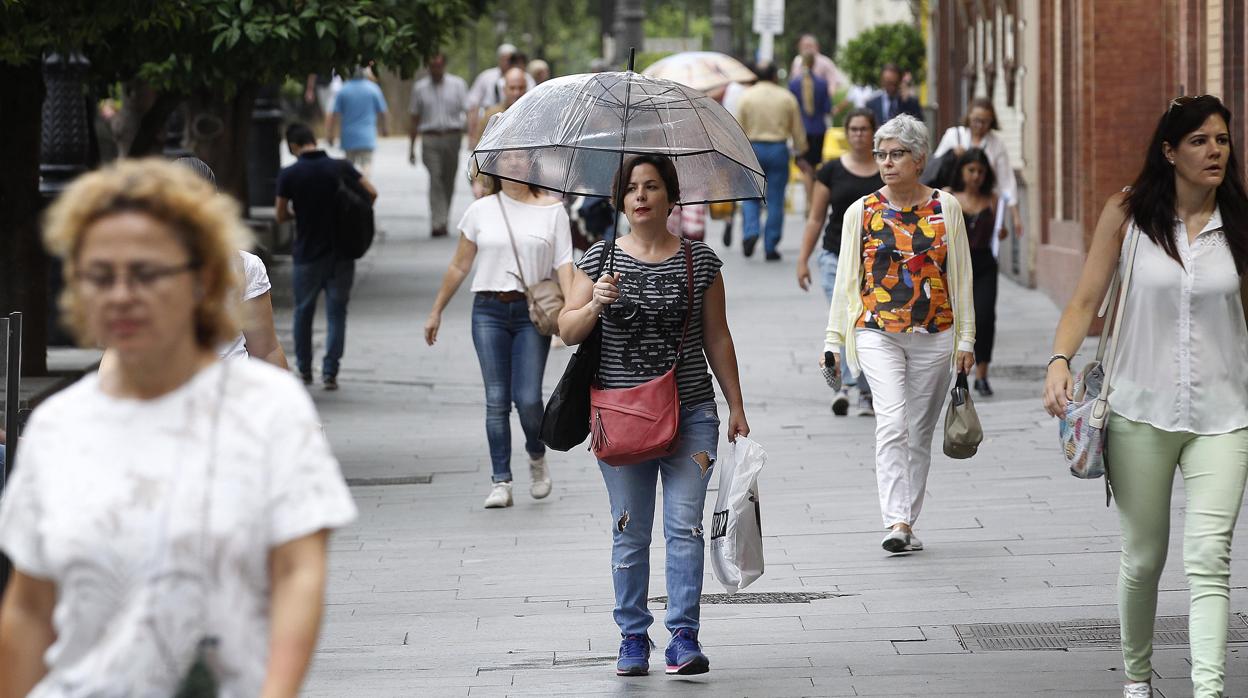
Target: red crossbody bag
(631, 425)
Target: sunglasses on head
(1186, 100)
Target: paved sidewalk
(432, 595)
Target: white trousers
(909, 374)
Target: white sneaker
(1139, 689)
(915, 543)
(540, 487)
(499, 497)
(897, 541)
(840, 404)
(865, 407)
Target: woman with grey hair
(903, 314)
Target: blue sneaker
(684, 654)
(634, 656)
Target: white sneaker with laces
(499, 497)
(1139, 689)
(540, 486)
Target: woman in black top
(640, 340)
(974, 184)
(838, 184)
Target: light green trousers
(1142, 460)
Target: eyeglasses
(896, 155)
(139, 278)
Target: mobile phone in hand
(830, 372)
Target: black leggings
(984, 269)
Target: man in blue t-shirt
(356, 108)
(311, 185)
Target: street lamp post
(631, 16)
(721, 26)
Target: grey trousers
(440, 153)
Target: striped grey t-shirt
(645, 349)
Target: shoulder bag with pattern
(1083, 428)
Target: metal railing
(11, 372)
(10, 377)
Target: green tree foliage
(567, 34)
(227, 43)
(899, 43)
(213, 53)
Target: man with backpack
(333, 226)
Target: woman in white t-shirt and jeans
(170, 513)
(511, 351)
(1179, 398)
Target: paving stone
(518, 601)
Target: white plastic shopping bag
(736, 529)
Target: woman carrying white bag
(1179, 394)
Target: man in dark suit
(890, 103)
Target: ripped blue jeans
(686, 473)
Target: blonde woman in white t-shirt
(169, 516)
(511, 351)
(1179, 397)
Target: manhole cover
(763, 598)
(383, 481)
(1170, 631)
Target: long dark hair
(1150, 203)
(974, 155)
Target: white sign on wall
(769, 17)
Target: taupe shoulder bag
(545, 297)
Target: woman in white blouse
(1180, 391)
(511, 351)
(980, 130)
(170, 513)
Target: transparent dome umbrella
(572, 135)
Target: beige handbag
(963, 433)
(545, 297)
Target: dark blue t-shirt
(310, 184)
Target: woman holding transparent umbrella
(638, 343)
(649, 144)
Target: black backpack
(353, 218)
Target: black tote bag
(565, 424)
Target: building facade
(1079, 86)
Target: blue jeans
(513, 358)
(774, 158)
(333, 276)
(828, 263)
(632, 493)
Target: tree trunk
(23, 264)
(219, 130)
